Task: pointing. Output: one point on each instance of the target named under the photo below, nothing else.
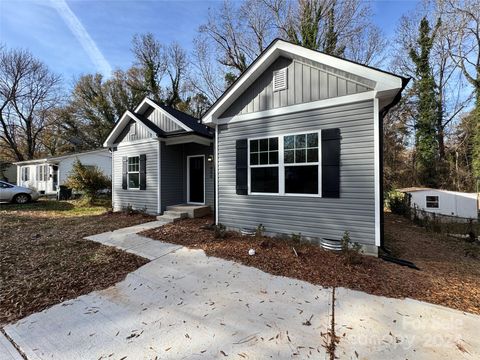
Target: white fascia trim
(384, 81)
(377, 175)
(159, 190)
(126, 117)
(188, 138)
(134, 142)
(216, 174)
(347, 99)
(155, 106)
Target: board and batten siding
(137, 199)
(163, 121)
(313, 217)
(306, 82)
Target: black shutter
(331, 163)
(242, 167)
(124, 172)
(143, 172)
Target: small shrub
(296, 237)
(219, 231)
(398, 203)
(88, 180)
(351, 252)
(260, 230)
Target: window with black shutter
(305, 164)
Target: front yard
(449, 272)
(44, 261)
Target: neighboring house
(444, 202)
(160, 157)
(299, 145)
(298, 148)
(46, 174)
(8, 172)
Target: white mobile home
(444, 202)
(46, 174)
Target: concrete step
(193, 211)
(169, 218)
(179, 214)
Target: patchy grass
(453, 281)
(44, 261)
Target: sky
(75, 37)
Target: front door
(196, 179)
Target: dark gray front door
(196, 179)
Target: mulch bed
(315, 265)
(44, 261)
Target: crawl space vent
(280, 79)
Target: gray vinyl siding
(313, 217)
(137, 199)
(163, 122)
(174, 173)
(307, 81)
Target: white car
(17, 194)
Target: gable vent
(280, 79)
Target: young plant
(259, 231)
(351, 251)
(296, 237)
(219, 231)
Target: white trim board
(319, 104)
(377, 175)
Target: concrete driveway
(185, 305)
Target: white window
(25, 173)
(280, 79)
(285, 165)
(42, 172)
(264, 169)
(432, 202)
(301, 158)
(133, 172)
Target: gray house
(299, 145)
(298, 148)
(160, 157)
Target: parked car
(17, 194)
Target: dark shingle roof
(190, 121)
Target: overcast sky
(85, 36)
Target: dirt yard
(449, 273)
(44, 261)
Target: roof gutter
(382, 114)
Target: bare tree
(464, 39)
(151, 60)
(176, 60)
(28, 91)
(205, 75)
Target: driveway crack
(14, 344)
(332, 338)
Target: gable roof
(387, 85)
(189, 124)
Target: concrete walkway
(185, 305)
